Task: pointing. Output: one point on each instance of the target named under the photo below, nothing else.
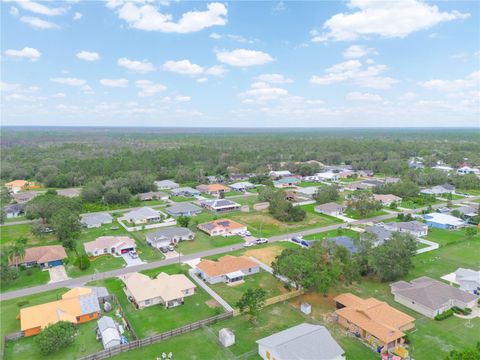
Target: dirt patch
(257, 219)
(320, 304)
(266, 255)
(212, 303)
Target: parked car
(164, 249)
(133, 254)
(261, 241)
(171, 247)
(248, 244)
(296, 239)
(304, 243)
(248, 233)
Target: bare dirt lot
(267, 254)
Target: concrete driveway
(57, 273)
(171, 255)
(132, 262)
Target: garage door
(55, 263)
(124, 251)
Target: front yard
(333, 233)
(9, 234)
(156, 319)
(263, 280)
(204, 242)
(357, 216)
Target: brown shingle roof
(226, 264)
(42, 254)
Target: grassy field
(157, 319)
(27, 278)
(263, 280)
(204, 242)
(470, 192)
(355, 215)
(8, 235)
(446, 237)
(309, 184)
(247, 200)
(182, 198)
(14, 219)
(333, 233)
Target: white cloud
(119, 83)
(147, 17)
(358, 51)
(215, 70)
(358, 96)
(136, 65)
(69, 81)
(243, 57)
(202, 80)
(215, 36)
(261, 91)
(149, 88)
(77, 16)
(40, 8)
(88, 56)
(369, 77)
(13, 11)
(182, 98)
(237, 38)
(390, 19)
(87, 89)
(27, 52)
(7, 86)
(38, 23)
(59, 95)
(184, 67)
(274, 78)
(471, 80)
(408, 96)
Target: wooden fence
(276, 299)
(104, 354)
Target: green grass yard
(204, 242)
(333, 233)
(355, 215)
(446, 237)
(156, 319)
(27, 278)
(182, 198)
(9, 234)
(263, 280)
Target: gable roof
(165, 183)
(304, 341)
(16, 183)
(221, 223)
(346, 242)
(430, 293)
(168, 233)
(183, 207)
(330, 207)
(14, 208)
(376, 317)
(220, 203)
(96, 219)
(142, 214)
(414, 225)
(76, 302)
(103, 242)
(71, 192)
(185, 189)
(43, 254)
(168, 287)
(226, 264)
(444, 219)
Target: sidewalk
(212, 293)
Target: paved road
(113, 273)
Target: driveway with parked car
(131, 258)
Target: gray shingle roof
(105, 322)
(182, 208)
(381, 233)
(304, 341)
(168, 234)
(142, 213)
(96, 219)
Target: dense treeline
(73, 158)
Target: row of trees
(280, 208)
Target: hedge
(444, 315)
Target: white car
(248, 244)
(133, 254)
(261, 241)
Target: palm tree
(17, 250)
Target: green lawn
(333, 233)
(470, 192)
(8, 235)
(445, 237)
(156, 319)
(152, 202)
(28, 278)
(204, 242)
(182, 198)
(310, 183)
(355, 215)
(263, 280)
(247, 200)
(15, 219)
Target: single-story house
(469, 280)
(439, 190)
(286, 182)
(213, 189)
(216, 179)
(16, 185)
(468, 211)
(387, 199)
(167, 290)
(304, 341)
(391, 180)
(443, 221)
(24, 196)
(112, 245)
(381, 234)
(373, 182)
(220, 205)
(331, 208)
(43, 256)
(415, 228)
(183, 209)
(166, 185)
(227, 269)
(327, 176)
(345, 241)
(143, 215)
(225, 227)
(309, 191)
(468, 170)
(279, 173)
(430, 297)
(372, 320)
(153, 195)
(14, 210)
(240, 177)
(242, 186)
(169, 236)
(77, 306)
(357, 185)
(108, 331)
(185, 191)
(365, 173)
(71, 193)
(96, 220)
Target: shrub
(28, 272)
(56, 337)
(444, 315)
(82, 262)
(467, 311)
(21, 303)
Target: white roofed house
(166, 290)
(469, 280)
(443, 221)
(169, 236)
(153, 195)
(183, 209)
(220, 205)
(96, 220)
(279, 173)
(113, 245)
(387, 199)
(144, 215)
(415, 228)
(108, 332)
(166, 185)
(301, 342)
(242, 186)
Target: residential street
(135, 268)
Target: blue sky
(240, 64)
